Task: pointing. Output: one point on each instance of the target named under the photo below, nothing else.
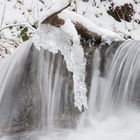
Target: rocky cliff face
(123, 12)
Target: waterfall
(113, 112)
(119, 87)
(36, 92)
(37, 95)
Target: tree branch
(54, 17)
(14, 25)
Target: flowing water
(37, 97)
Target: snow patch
(104, 33)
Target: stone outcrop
(124, 12)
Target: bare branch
(3, 14)
(14, 25)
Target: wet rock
(106, 52)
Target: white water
(113, 106)
(36, 91)
(113, 112)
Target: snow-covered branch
(54, 8)
(85, 28)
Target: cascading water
(37, 102)
(36, 93)
(114, 112)
(119, 86)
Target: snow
(105, 33)
(54, 6)
(17, 13)
(99, 16)
(69, 28)
(122, 2)
(32, 12)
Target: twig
(84, 12)
(38, 12)
(42, 1)
(3, 14)
(13, 25)
(28, 10)
(8, 52)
